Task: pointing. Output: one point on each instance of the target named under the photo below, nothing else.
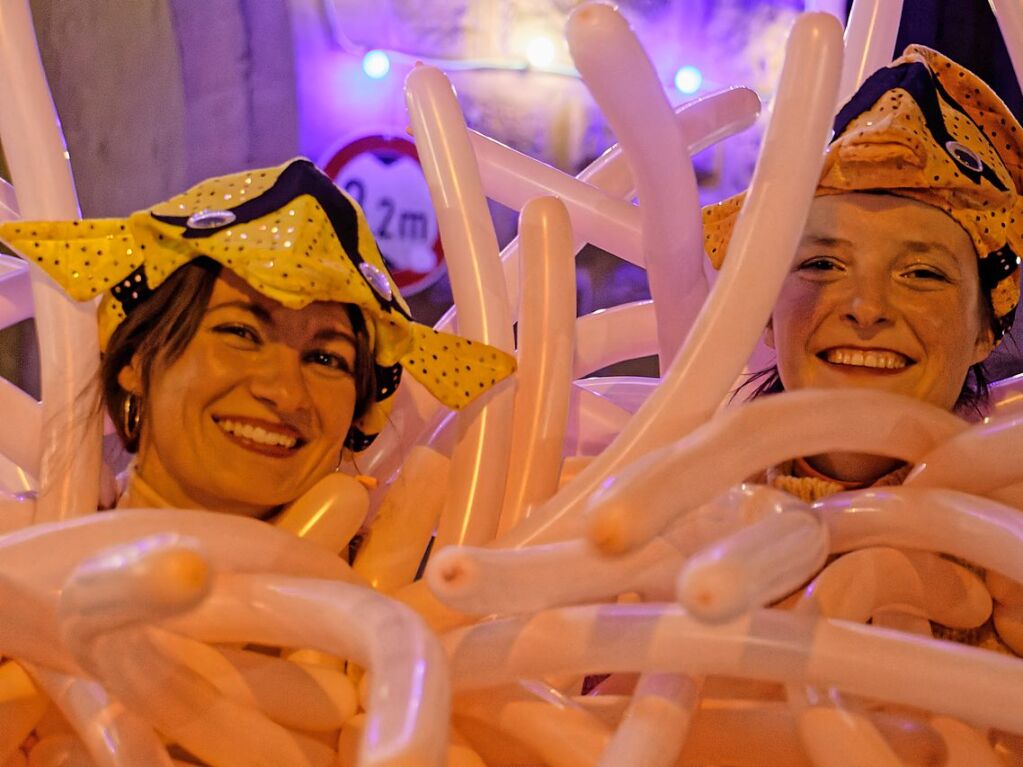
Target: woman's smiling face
(256, 408)
(883, 293)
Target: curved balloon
(330, 513)
(396, 542)
(976, 529)
(856, 585)
(637, 503)
(979, 460)
(627, 88)
(408, 688)
(472, 510)
(607, 336)
(753, 567)
(594, 198)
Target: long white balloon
(869, 41)
(69, 354)
(514, 178)
(636, 504)
(409, 693)
(977, 529)
(480, 460)
(545, 348)
(979, 460)
(770, 645)
(624, 83)
(765, 237)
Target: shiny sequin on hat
(377, 280)
(928, 129)
(210, 219)
(293, 236)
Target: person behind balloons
(250, 334)
(907, 274)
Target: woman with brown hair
(250, 333)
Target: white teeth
(866, 359)
(257, 434)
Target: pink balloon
(753, 567)
(967, 747)
(976, 529)
(980, 460)
(607, 336)
(479, 463)
(395, 543)
(486, 581)
(23, 426)
(556, 730)
(656, 723)
(625, 85)
(769, 645)
(639, 502)
(858, 584)
(113, 735)
(1006, 395)
(545, 345)
(409, 691)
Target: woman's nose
(867, 303)
(278, 380)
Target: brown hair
(159, 329)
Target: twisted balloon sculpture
(600, 526)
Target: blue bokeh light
(688, 79)
(376, 64)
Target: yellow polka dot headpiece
(293, 236)
(928, 129)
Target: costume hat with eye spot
(928, 129)
(292, 235)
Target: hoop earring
(131, 416)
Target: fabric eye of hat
(293, 236)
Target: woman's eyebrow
(928, 246)
(334, 334)
(830, 242)
(256, 310)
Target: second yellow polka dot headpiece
(292, 235)
(926, 128)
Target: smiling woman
(907, 273)
(245, 348)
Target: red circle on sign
(387, 149)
